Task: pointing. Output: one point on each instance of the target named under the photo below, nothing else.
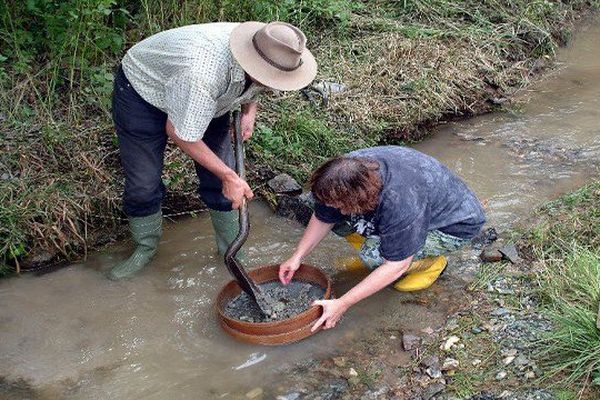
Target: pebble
(451, 341)
(352, 372)
(433, 372)
(521, 360)
(510, 352)
(500, 312)
(476, 330)
(476, 362)
(432, 390)
(450, 364)
(256, 393)
(508, 360)
(289, 396)
(529, 375)
(410, 342)
(501, 375)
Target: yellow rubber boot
(351, 263)
(421, 274)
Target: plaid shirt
(190, 74)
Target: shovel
(236, 269)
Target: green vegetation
(405, 65)
(567, 244)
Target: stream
(73, 334)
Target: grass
(567, 244)
(406, 65)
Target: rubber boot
(352, 263)
(226, 225)
(421, 274)
(146, 232)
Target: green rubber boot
(226, 225)
(146, 233)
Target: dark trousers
(142, 139)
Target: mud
(285, 301)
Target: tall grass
(567, 243)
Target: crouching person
(402, 209)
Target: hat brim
(246, 55)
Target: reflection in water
(73, 334)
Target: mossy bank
(404, 65)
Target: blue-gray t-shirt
(419, 194)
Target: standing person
(404, 204)
(181, 84)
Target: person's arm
(384, 275)
(234, 187)
(314, 233)
(247, 119)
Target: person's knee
(143, 199)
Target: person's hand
(247, 120)
(235, 189)
(287, 270)
(332, 312)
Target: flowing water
(72, 334)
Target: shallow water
(73, 334)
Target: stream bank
(405, 66)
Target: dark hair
(349, 183)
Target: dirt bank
(404, 66)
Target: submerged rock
(283, 183)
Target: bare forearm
(381, 277)
(202, 154)
(314, 233)
(250, 108)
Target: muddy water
(73, 334)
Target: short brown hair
(348, 183)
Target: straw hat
(273, 54)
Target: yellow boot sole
(426, 271)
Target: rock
(375, 394)
(490, 255)
(289, 396)
(450, 364)
(255, 394)
(284, 184)
(434, 372)
(430, 362)
(410, 342)
(500, 312)
(521, 361)
(330, 87)
(509, 251)
(352, 372)
(476, 330)
(37, 258)
(431, 365)
(485, 238)
(529, 375)
(476, 362)
(298, 208)
(432, 390)
(501, 375)
(510, 352)
(335, 389)
(339, 361)
(508, 360)
(451, 341)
